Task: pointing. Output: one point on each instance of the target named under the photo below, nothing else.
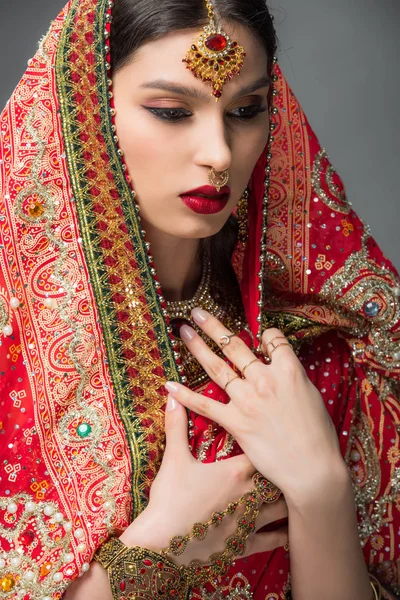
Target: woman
(126, 289)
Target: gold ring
(248, 364)
(275, 347)
(226, 339)
(231, 381)
(267, 491)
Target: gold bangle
(375, 592)
(141, 573)
(376, 586)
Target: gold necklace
(179, 313)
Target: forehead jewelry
(214, 57)
(218, 180)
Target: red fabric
(327, 285)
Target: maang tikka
(214, 57)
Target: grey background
(342, 60)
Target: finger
(201, 405)
(236, 350)
(265, 542)
(176, 429)
(272, 512)
(216, 368)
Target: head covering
(87, 347)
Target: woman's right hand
(187, 491)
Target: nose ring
(218, 179)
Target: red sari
(85, 349)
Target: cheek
(248, 148)
(141, 143)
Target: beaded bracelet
(148, 574)
(198, 573)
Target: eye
(246, 113)
(169, 114)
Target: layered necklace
(210, 299)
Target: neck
(177, 262)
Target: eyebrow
(175, 88)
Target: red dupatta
(86, 350)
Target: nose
(213, 145)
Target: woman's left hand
(276, 414)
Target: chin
(199, 227)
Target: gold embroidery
(338, 201)
(359, 286)
(3, 313)
(365, 470)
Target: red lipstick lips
(206, 200)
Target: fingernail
(187, 333)
(172, 387)
(200, 315)
(171, 404)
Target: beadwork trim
(264, 228)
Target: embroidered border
(139, 351)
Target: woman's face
(173, 131)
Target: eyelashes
(173, 115)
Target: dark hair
(136, 22)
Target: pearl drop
(30, 507)
(14, 303)
(396, 356)
(48, 510)
(68, 526)
(15, 562)
(46, 598)
(81, 547)
(58, 517)
(355, 456)
(107, 505)
(85, 567)
(29, 576)
(2, 563)
(22, 593)
(8, 330)
(12, 508)
(68, 557)
(396, 291)
(79, 534)
(58, 577)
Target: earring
(242, 215)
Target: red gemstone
(122, 586)
(27, 537)
(147, 562)
(216, 42)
